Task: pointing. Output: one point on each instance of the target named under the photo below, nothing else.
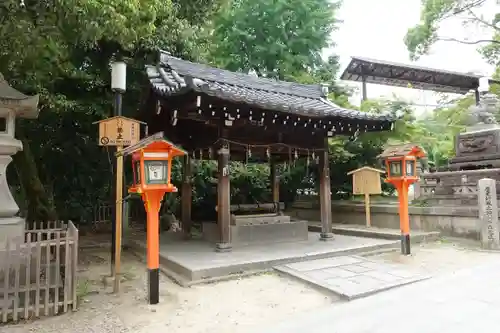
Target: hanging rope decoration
(268, 146)
(293, 152)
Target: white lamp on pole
(484, 85)
(119, 76)
(118, 85)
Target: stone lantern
(13, 104)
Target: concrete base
(223, 247)
(195, 261)
(243, 235)
(325, 236)
(11, 227)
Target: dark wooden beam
(186, 195)
(325, 195)
(223, 202)
(275, 182)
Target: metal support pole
(118, 212)
(117, 112)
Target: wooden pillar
(223, 202)
(275, 184)
(325, 195)
(187, 195)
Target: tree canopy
(420, 38)
(62, 50)
(282, 39)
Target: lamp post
(118, 86)
(484, 85)
(482, 88)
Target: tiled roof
(172, 76)
(402, 150)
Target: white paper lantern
(118, 76)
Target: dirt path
(443, 256)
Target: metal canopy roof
(410, 76)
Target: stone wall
(450, 221)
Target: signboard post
(118, 131)
(366, 181)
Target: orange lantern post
(152, 165)
(401, 167)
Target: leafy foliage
(282, 39)
(61, 49)
(420, 38)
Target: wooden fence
(102, 215)
(38, 274)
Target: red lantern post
(401, 167)
(152, 164)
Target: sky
(376, 29)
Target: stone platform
(352, 276)
(195, 261)
(416, 236)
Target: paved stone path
(462, 302)
(352, 276)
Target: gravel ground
(443, 256)
(231, 306)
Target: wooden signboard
(119, 131)
(366, 181)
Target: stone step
(374, 232)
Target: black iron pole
(117, 112)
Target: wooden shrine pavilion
(214, 113)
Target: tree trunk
(39, 207)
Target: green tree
(61, 49)
(420, 38)
(275, 38)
